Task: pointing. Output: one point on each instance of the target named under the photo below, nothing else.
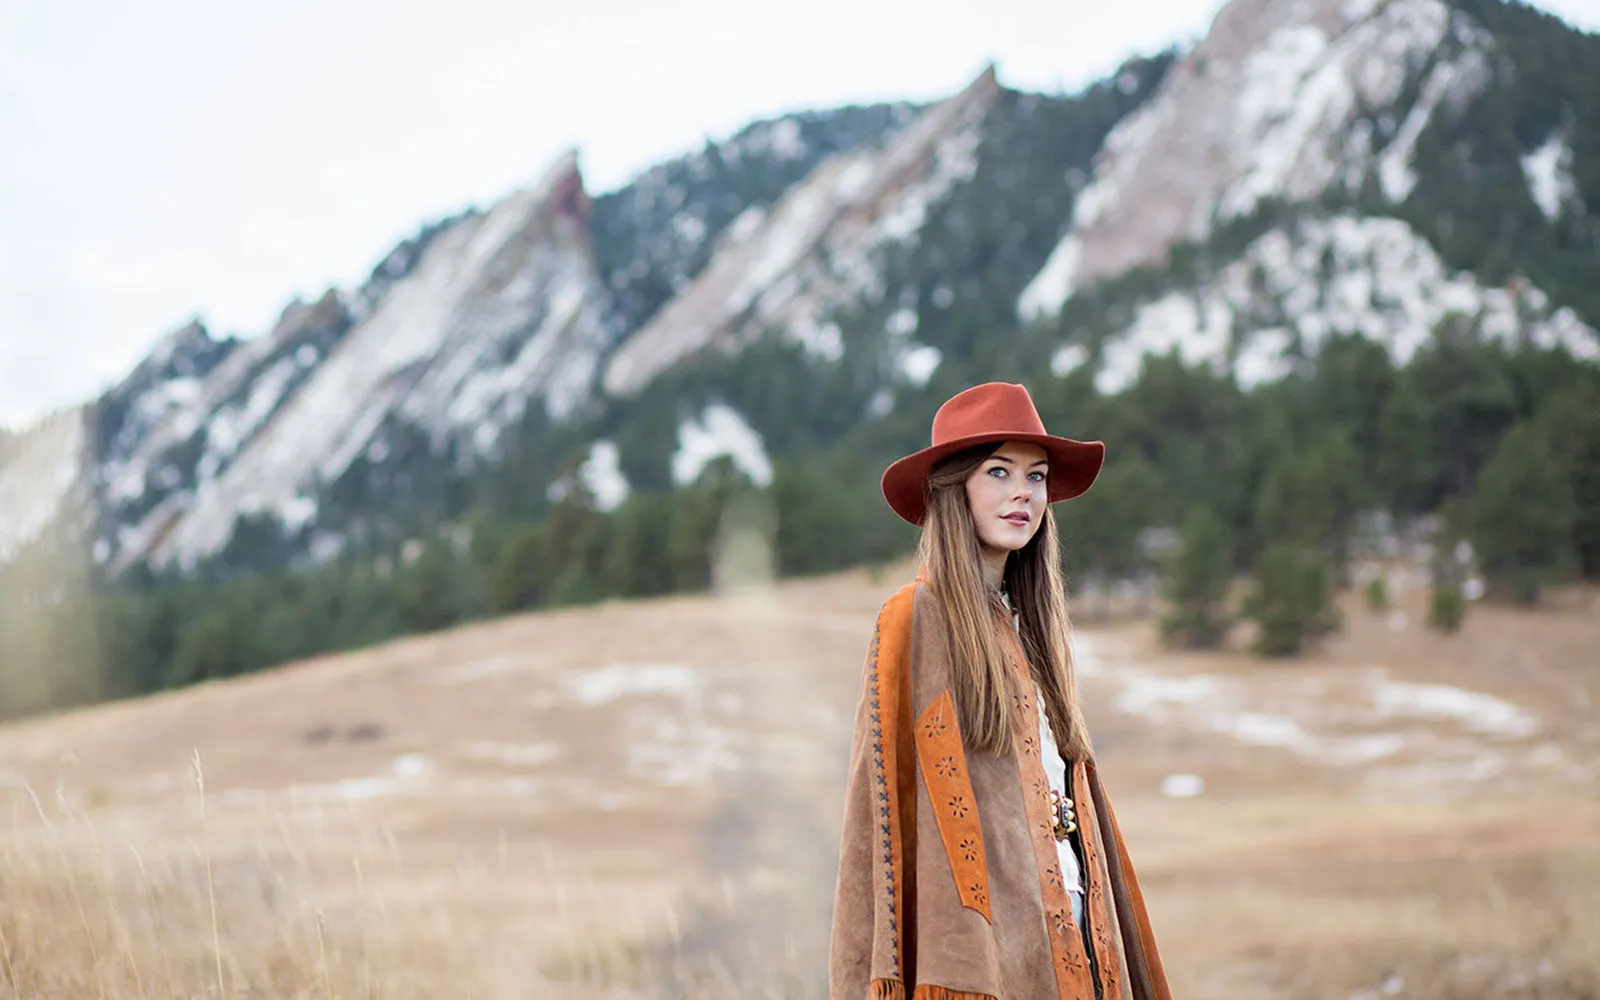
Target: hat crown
(990, 408)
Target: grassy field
(641, 800)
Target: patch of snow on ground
(1182, 786)
(720, 431)
(408, 774)
(476, 670)
(1379, 719)
(1478, 712)
(520, 754)
(600, 685)
(687, 752)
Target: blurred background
(440, 533)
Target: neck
(994, 566)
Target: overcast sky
(171, 158)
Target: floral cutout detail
(948, 783)
(1061, 920)
(1030, 746)
(1053, 873)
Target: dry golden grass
(130, 869)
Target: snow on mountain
(497, 311)
(1280, 100)
(161, 433)
(787, 269)
(1549, 173)
(653, 236)
(44, 465)
(599, 475)
(168, 381)
(719, 431)
(1295, 286)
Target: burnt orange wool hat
(993, 411)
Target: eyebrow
(1002, 458)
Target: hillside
(625, 798)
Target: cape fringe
(940, 993)
(887, 989)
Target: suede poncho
(950, 886)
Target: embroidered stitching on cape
(885, 805)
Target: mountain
(1328, 132)
(789, 267)
(801, 294)
(1280, 101)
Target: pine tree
(432, 592)
(1523, 516)
(1101, 531)
(1571, 422)
(1311, 499)
(1196, 580)
(1447, 606)
(518, 578)
(1292, 600)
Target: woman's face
(1007, 495)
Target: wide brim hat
(989, 413)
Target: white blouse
(1055, 769)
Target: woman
(980, 857)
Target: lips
(1019, 518)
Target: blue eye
(1037, 477)
(997, 470)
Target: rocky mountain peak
(1281, 100)
(485, 315)
(187, 352)
(786, 268)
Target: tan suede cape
(949, 882)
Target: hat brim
(1073, 468)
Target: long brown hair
(984, 685)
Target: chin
(1010, 543)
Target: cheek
(981, 491)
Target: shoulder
(910, 630)
(911, 605)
